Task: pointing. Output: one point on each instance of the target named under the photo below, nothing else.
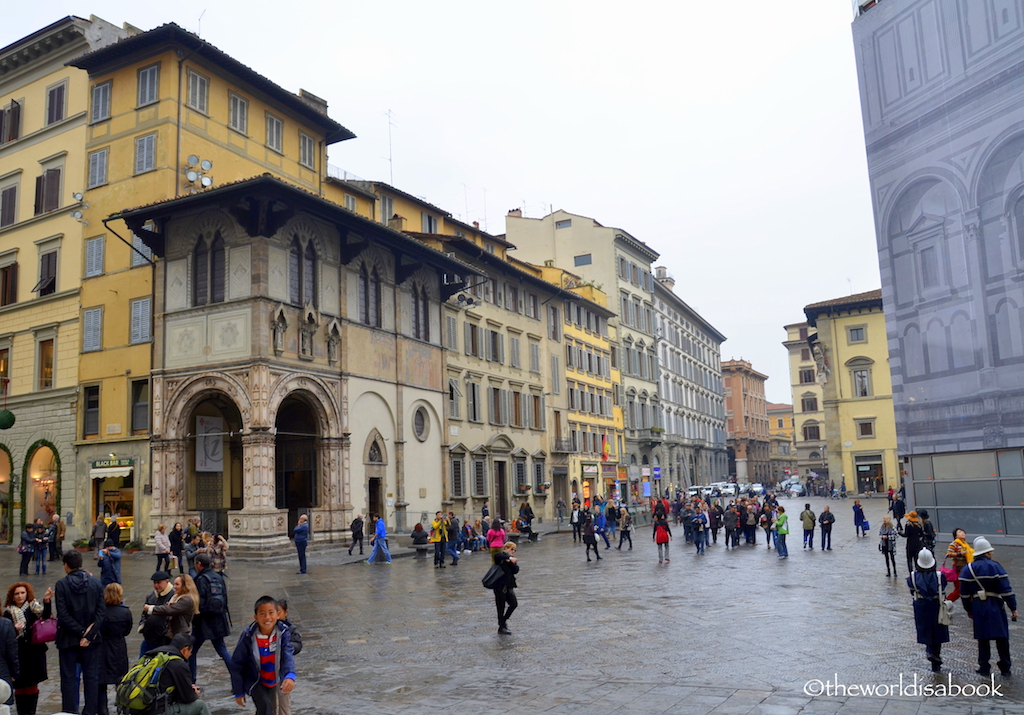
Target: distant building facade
(690, 360)
(782, 454)
(747, 421)
(849, 333)
(942, 97)
(810, 431)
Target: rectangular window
(554, 327)
(145, 153)
(94, 257)
(532, 306)
(91, 413)
(929, 270)
(9, 284)
(803, 333)
(513, 351)
(856, 335)
(451, 332)
(565, 223)
(98, 168)
(812, 433)
(479, 477)
(238, 113)
(10, 122)
(198, 92)
(140, 406)
(809, 404)
(512, 299)
(807, 376)
(47, 284)
(428, 223)
(149, 80)
(498, 403)
(100, 102)
(55, 103)
(454, 399)
(92, 330)
(275, 133)
(48, 191)
(45, 364)
(140, 321)
(866, 428)
(473, 407)
(516, 412)
(556, 386)
(8, 205)
(350, 203)
(307, 151)
(805, 354)
(584, 259)
(5, 369)
(458, 469)
(534, 356)
(538, 475)
(861, 383)
(387, 208)
(141, 252)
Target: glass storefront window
(1010, 464)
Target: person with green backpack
(161, 682)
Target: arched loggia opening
(214, 462)
(297, 480)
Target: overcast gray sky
(727, 135)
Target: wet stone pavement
(730, 632)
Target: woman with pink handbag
(28, 615)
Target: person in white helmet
(927, 586)
(984, 590)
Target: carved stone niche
(279, 324)
(307, 329)
(333, 342)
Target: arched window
(209, 271)
(309, 275)
(295, 272)
(374, 456)
(420, 314)
(302, 273)
(369, 296)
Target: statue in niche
(279, 326)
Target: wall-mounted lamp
(77, 213)
(195, 173)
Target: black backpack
(215, 600)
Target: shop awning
(107, 472)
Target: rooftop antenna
(200, 30)
(485, 210)
(391, 164)
(465, 198)
(850, 283)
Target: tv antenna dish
(192, 160)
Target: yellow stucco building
(850, 346)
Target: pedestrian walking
(81, 611)
(887, 545)
(356, 529)
(601, 528)
(284, 700)
(60, 530)
(858, 519)
(496, 538)
(826, 519)
(265, 657)
(162, 548)
(807, 520)
(22, 609)
(899, 510)
(625, 528)
(715, 521)
(439, 538)
(576, 520)
(41, 548)
(590, 536)
(379, 541)
(453, 538)
(928, 529)
(505, 600)
(218, 551)
(99, 532)
(177, 538)
(301, 536)
(959, 553)
(927, 586)
(913, 533)
(212, 623)
(781, 531)
(114, 531)
(662, 534)
(699, 526)
(766, 521)
(560, 508)
(113, 654)
(985, 590)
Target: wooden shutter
(140, 320)
(55, 108)
(468, 337)
(40, 194)
(503, 406)
(10, 285)
(51, 190)
(8, 205)
(94, 257)
(13, 122)
(543, 414)
(92, 330)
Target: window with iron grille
(458, 471)
(91, 412)
(479, 477)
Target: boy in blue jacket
(263, 659)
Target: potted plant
(132, 546)
(81, 544)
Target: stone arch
(317, 393)
(380, 401)
(305, 230)
(999, 186)
(26, 469)
(372, 257)
(500, 443)
(372, 439)
(1007, 333)
(182, 402)
(209, 223)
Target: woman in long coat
(113, 652)
(926, 586)
(22, 608)
(913, 532)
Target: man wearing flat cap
(152, 627)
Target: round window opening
(421, 424)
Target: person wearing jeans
(80, 614)
(661, 535)
(826, 519)
(700, 529)
(781, 531)
(379, 540)
(625, 528)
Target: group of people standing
(41, 543)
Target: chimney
(549, 263)
(662, 275)
(476, 225)
(397, 223)
(516, 213)
(312, 100)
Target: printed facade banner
(209, 444)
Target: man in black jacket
(152, 627)
(211, 623)
(80, 614)
(356, 528)
(184, 698)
